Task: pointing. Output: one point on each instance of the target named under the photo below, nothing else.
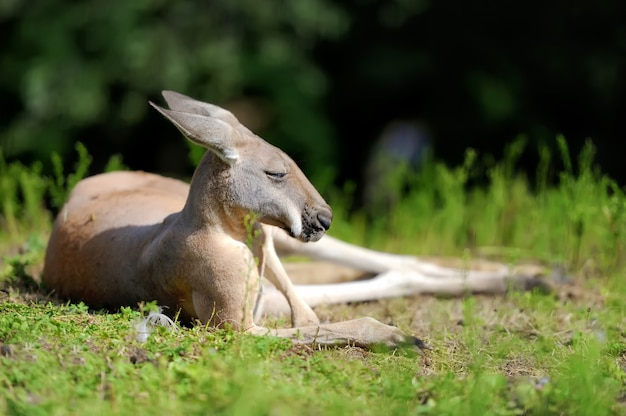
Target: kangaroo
(201, 249)
(204, 249)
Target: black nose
(325, 218)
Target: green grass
(523, 353)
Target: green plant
(520, 353)
(22, 191)
(62, 184)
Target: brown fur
(126, 237)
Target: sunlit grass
(523, 353)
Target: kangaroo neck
(210, 203)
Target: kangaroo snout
(325, 217)
(315, 222)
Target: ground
(511, 351)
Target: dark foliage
(322, 79)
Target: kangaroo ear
(179, 102)
(210, 132)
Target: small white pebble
(144, 326)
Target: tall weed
(578, 221)
(22, 192)
(25, 191)
(62, 184)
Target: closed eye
(275, 175)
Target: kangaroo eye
(276, 175)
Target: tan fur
(349, 279)
(126, 237)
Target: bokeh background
(332, 82)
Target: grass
(523, 353)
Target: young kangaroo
(126, 237)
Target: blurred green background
(322, 79)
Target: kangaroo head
(257, 176)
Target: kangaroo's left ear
(211, 132)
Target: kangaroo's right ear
(179, 102)
(210, 132)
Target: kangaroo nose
(325, 217)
